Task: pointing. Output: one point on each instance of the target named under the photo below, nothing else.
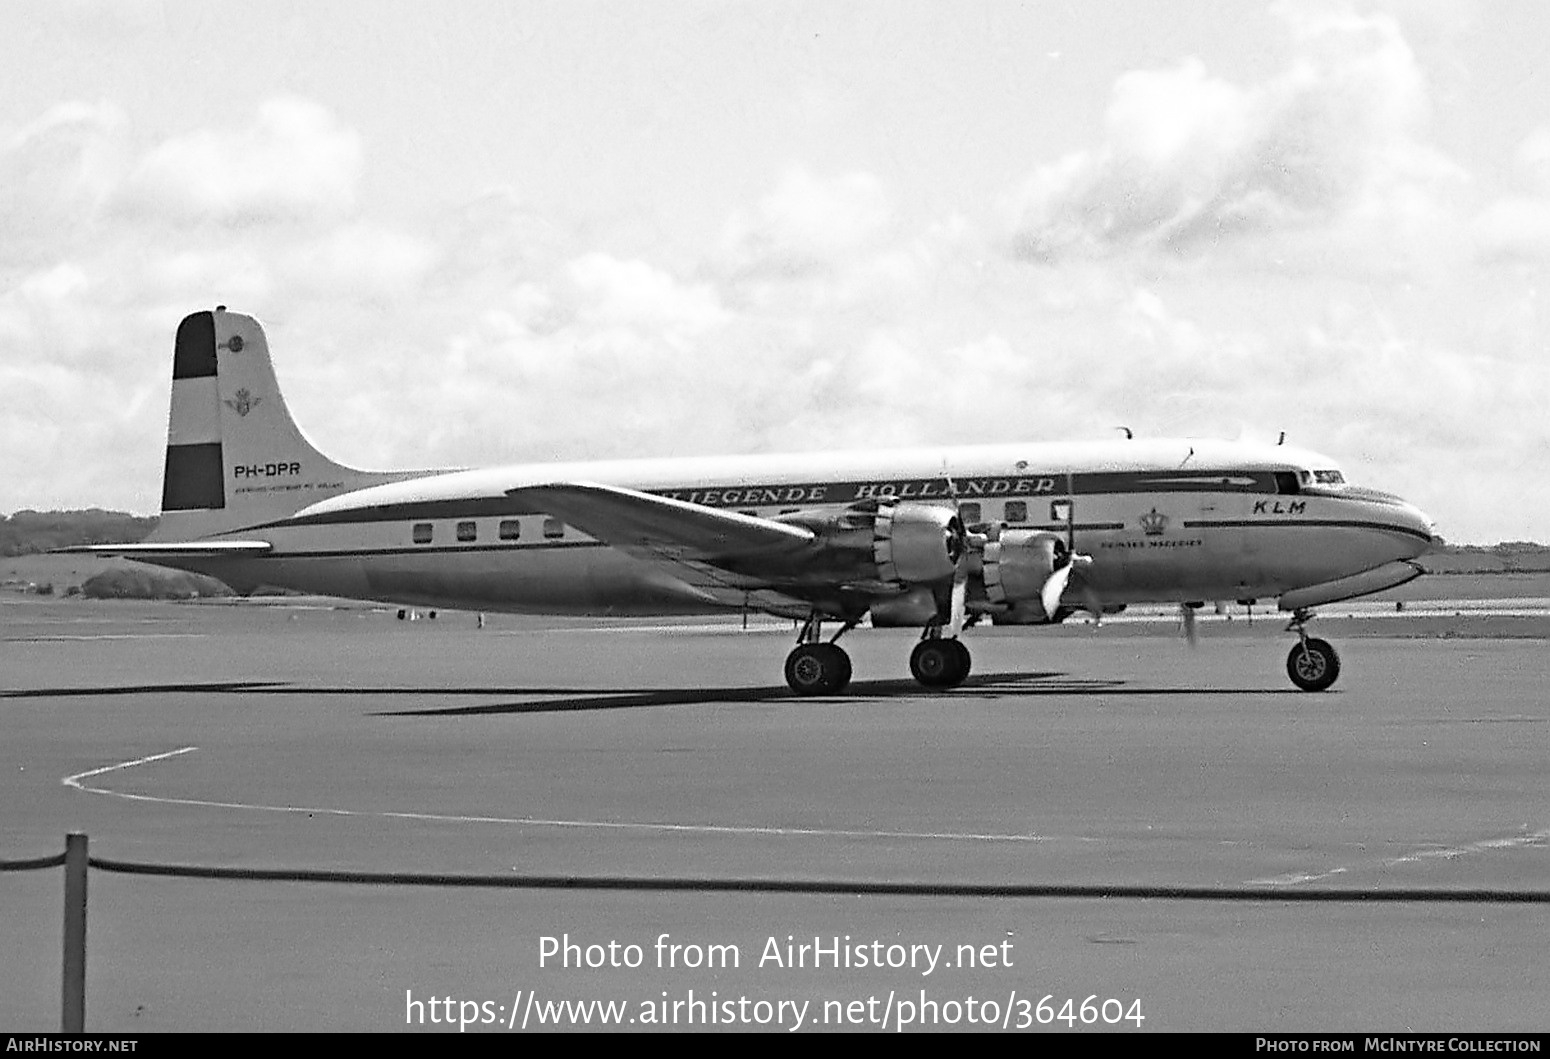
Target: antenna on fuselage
(1282, 439)
(1128, 434)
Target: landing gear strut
(939, 663)
(1313, 664)
(815, 667)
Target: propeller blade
(1188, 614)
(1054, 588)
(1055, 585)
(960, 598)
(1093, 604)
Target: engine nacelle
(911, 609)
(1015, 568)
(916, 543)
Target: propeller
(1187, 613)
(1055, 585)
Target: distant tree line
(31, 532)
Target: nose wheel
(1312, 664)
(938, 663)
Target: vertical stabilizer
(235, 457)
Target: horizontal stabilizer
(636, 521)
(171, 549)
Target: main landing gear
(819, 667)
(939, 663)
(1313, 664)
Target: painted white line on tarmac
(75, 780)
(528, 821)
(1296, 878)
(1486, 845)
(109, 636)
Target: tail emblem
(244, 403)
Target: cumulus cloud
(633, 293)
(1516, 227)
(56, 171)
(805, 225)
(294, 162)
(498, 330)
(1190, 159)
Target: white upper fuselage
(1164, 520)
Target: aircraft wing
(660, 528)
(171, 550)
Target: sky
(506, 232)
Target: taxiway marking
(1539, 838)
(523, 821)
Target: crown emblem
(244, 403)
(1153, 522)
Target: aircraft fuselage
(1163, 521)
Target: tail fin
(235, 458)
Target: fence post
(73, 981)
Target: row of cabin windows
(508, 530)
(554, 529)
(1015, 511)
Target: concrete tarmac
(281, 737)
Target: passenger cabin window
(510, 529)
(553, 528)
(467, 531)
(970, 513)
(1286, 483)
(1017, 511)
(423, 533)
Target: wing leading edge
(662, 528)
(736, 560)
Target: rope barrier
(829, 886)
(36, 864)
(77, 862)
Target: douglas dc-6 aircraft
(937, 539)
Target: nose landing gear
(1312, 664)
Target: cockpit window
(1286, 483)
(1329, 477)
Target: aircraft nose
(1422, 528)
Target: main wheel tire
(939, 663)
(817, 669)
(1313, 665)
(841, 679)
(965, 662)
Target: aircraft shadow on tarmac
(566, 699)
